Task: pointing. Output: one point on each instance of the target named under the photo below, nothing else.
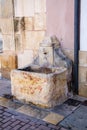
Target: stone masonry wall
(6, 24)
(23, 26)
(83, 73)
(30, 27)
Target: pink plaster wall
(60, 21)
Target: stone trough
(44, 82)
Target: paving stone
(16, 127)
(77, 120)
(8, 128)
(28, 110)
(41, 127)
(64, 109)
(62, 128)
(6, 120)
(15, 123)
(7, 114)
(25, 127)
(33, 127)
(1, 111)
(6, 124)
(53, 126)
(3, 91)
(53, 118)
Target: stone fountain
(44, 82)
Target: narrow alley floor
(14, 115)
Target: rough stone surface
(8, 42)
(82, 74)
(8, 62)
(44, 84)
(33, 39)
(40, 6)
(24, 8)
(52, 45)
(83, 89)
(24, 30)
(29, 23)
(40, 21)
(7, 8)
(83, 58)
(25, 58)
(6, 25)
(39, 88)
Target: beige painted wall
(60, 21)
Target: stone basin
(46, 87)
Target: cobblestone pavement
(12, 120)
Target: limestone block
(33, 39)
(18, 7)
(25, 58)
(40, 21)
(46, 90)
(8, 62)
(83, 89)
(40, 6)
(6, 8)
(0, 9)
(29, 23)
(6, 26)
(83, 58)
(8, 42)
(18, 43)
(28, 7)
(24, 8)
(82, 74)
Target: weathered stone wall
(6, 24)
(83, 73)
(23, 26)
(30, 27)
(7, 60)
(8, 63)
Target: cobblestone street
(11, 120)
